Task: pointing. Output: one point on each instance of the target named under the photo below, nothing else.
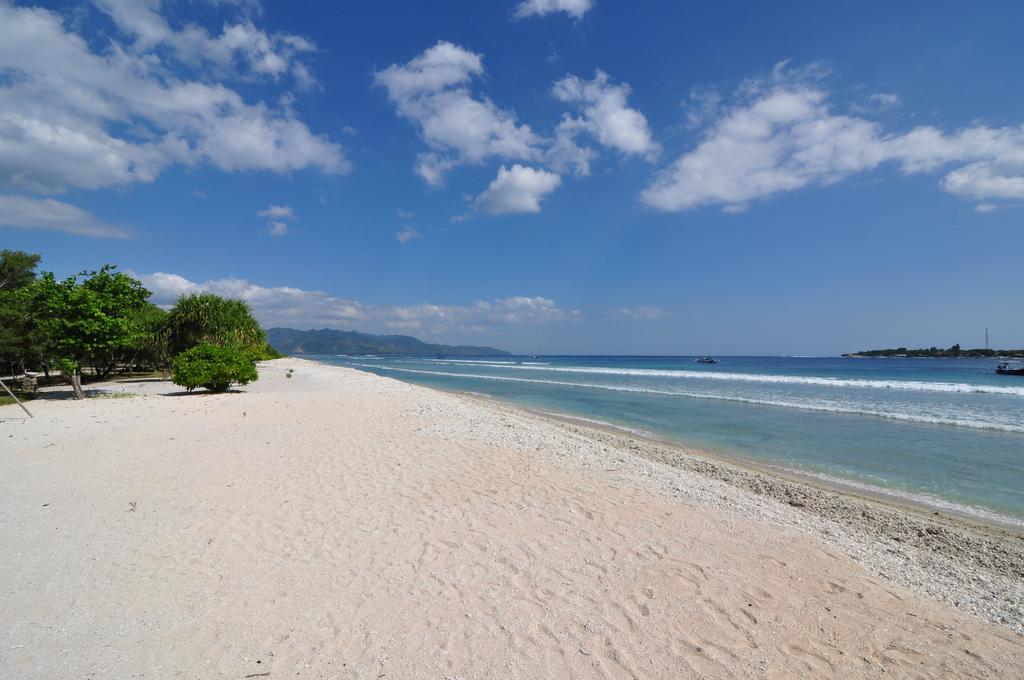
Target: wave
(908, 385)
(783, 403)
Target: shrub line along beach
(324, 522)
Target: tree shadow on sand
(200, 393)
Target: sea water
(948, 433)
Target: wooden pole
(18, 401)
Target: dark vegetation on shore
(954, 352)
(328, 341)
(96, 324)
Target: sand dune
(340, 525)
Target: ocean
(946, 433)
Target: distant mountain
(328, 341)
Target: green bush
(215, 368)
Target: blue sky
(549, 176)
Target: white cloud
(241, 44)
(295, 307)
(782, 136)
(642, 313)
(276, 216)
(432, 91)
(876, 103)
(884, 100)
(702, 106)
(278, 212)
(277, 228)
(574, 8)
(32, 213)
(517, 189)
(604, 114)
(407, 234)
(987, 180)
(74, 117)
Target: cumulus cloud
(518, 189)
(31, 213)
(74, 116)
(432, 91)
(642, 313)
(295, 307)
(603, 113)
(574, 8)
(782, 136)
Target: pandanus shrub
(206, 318)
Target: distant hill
(954, 352)
(328, 341)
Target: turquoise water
(949, 433)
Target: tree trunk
(76, 384)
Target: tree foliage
(212, 366)
(205, 318)
(102, 320)
(91, 321)
(17, 269)
(19, 341)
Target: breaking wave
(955, 419)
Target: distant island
(328, 341)
(954, 352)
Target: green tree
(87, 322)
(208, 318)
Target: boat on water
(1010, 368)
(706, 360)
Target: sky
(544, 176)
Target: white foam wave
(828, 407)
(602, 423)
(909, 385)
(486, 362)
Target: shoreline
(892, 498)
(853, 521)
(895, 498)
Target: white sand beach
(336, 524)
